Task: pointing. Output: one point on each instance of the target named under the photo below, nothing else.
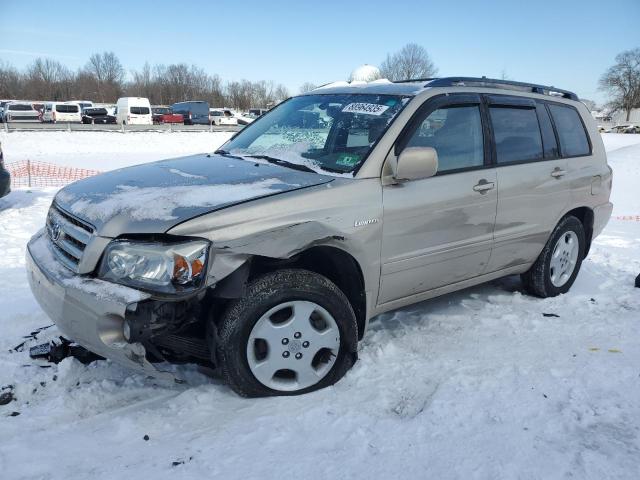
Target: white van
(133, 111)
(62, 112)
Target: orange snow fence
(29, 173)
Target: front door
(438, 231)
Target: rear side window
(21, 107)
(517, 134)
(139, 110)
(456, 134)
(573, 138)
(549, 141)
(67, 108)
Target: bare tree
(10, 81)
(307, 87)
(108, 74)
(47, 79)
(412, 61)
(622, 81)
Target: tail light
(189, 115)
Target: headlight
(162, 267)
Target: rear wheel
(558, 264)
(293, 332)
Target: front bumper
(89, 311)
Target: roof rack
(495, 83)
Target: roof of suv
(415, 86)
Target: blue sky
(567, 44)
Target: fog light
(126, 331)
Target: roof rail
(495, 83)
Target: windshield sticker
(348, 160)
(366, 108)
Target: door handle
(558, 172)
(483, 186)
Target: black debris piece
(55, 353)
(176, 463)
(6, 397)
(32, 336)
(638, 281)
(550, 315)
(14, 414)
(146, 438)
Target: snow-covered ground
(486, 383)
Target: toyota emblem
(55, 231)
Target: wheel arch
(586, 217)
(336, 264)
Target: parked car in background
(166, 115)
(222, 117)
(245, 118)
(632, 128)
(270, 271)
(20, 112)
(194, 112)
(133, 111)
(97, 116)
(258, 111)
(83, 104)
(5, 177)
(64, 112)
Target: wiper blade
(283, 163)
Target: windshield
(327, 133)
(161, 111)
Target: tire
(272, 292)
(539, 280)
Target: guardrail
(81, 127)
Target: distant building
(620, 117)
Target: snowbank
(106, 150)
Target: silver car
(20, 112)
(266, 259)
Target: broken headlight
(161, 267)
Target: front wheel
(293, 332)
(558, 264)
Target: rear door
(438, 231)
(533, 190)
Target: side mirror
(416, 162)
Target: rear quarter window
(67, 108)
(517, 134)
(139, 110)
(571, 133)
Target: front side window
(332, 133)
(573, 138)
(456, 134)
(517, 134)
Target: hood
(154, 197)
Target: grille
(68, 235)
